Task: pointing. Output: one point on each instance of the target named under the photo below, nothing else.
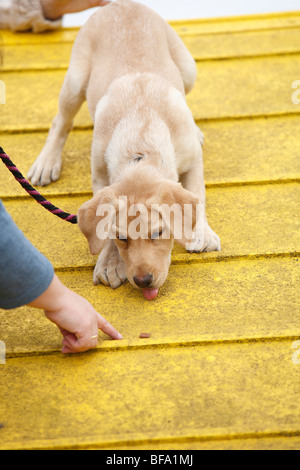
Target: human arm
(39, 15)
(54, 9)
(27, 278)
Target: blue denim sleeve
(25, 273)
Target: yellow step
(240, 88)
(243, 44)
(202, 303)
(250, 220)
(203, 47)
(61, 36)
(185, 28)
(153, 394)
(248, 443)
(235, 88)
(37, 57)
(231, 25)
(260, 150)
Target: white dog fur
(134, 72)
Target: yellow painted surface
(224, 302)
(243, 44)
(229, 25)
(262, 150)
(274, 22)
(61, 36)
(234, 213)
(248, 443)
(244, 88)
(144, 394)
(203, 47)
(37, 57)
(224, 89)
(219, 371)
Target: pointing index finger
(107, 328)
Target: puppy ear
(92, 212)
(181, 211)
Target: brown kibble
(145, 335)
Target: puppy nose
(144, 281)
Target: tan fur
(134, 71)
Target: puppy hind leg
(182, 58)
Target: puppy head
(143, 214)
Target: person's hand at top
(41, 15)
(54, 9)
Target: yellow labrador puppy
(134, 72)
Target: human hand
(54, 9)
(75, 317)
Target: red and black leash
(33, 192)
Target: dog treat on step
(145, 335)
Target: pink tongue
(150, 294)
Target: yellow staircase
(221, 369)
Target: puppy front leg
(205, 238)
(47, 167)
(110, 269)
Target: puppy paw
(45, 170)
(210, 242)
(110, 269)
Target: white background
(184, 9)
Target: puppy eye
(156, 235)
